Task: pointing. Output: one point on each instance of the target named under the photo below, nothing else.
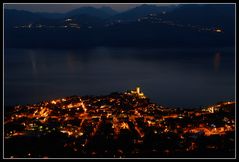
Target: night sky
(61, 8)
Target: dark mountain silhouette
(85, 19)
(19, 17)
(108, 10)
(97, 12)
(205, 15)
(132, 33)
(51, 15)
(91, 11)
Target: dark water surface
(172, 77)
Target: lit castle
(138, 92)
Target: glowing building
(138, 92)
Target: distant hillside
(91, 11)
(145, 25)
(205, 15)
(16, 17)
(52, 15)
(142, 10)
(108, 10)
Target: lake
(170, 77)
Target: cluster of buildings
(118, 125)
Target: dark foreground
(123, 125)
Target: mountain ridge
(159, 29)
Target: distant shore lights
(218, 30)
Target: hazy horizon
(62, 8)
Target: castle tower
(138, 90)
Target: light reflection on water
(217, 61)
(173, 77)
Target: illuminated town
(119, 125)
